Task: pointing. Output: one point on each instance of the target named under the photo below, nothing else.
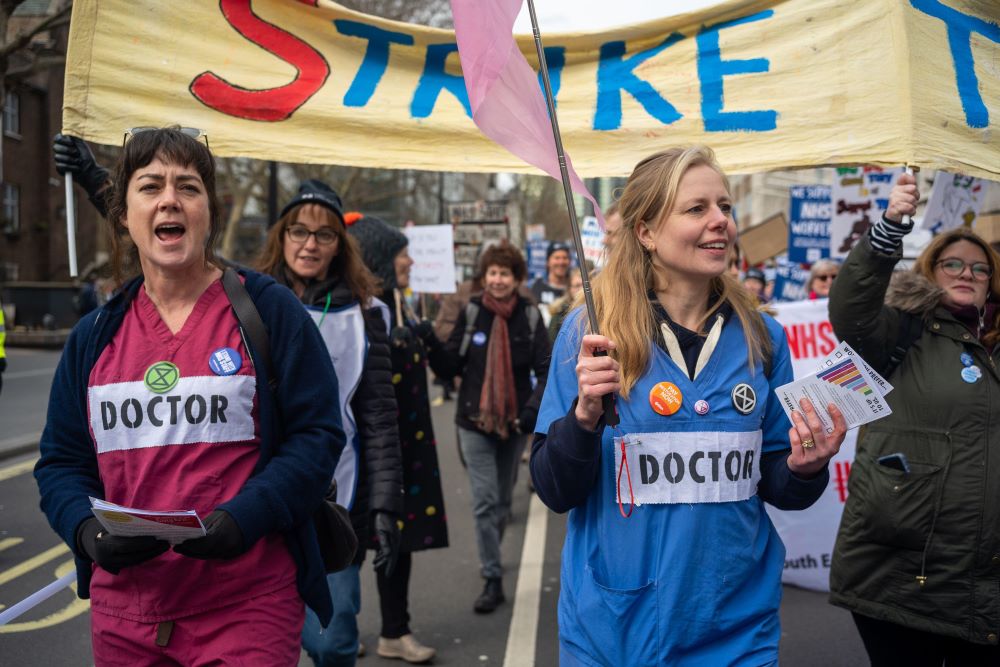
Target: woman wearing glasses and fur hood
(918, 553)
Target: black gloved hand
(526, 421)
(112, 552)
(222, 540)
(425, 331)
(387, 533)
(73, 156)
(400, 337)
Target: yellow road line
(17, 469)
(69, 612)
(32, 563)
(10, 542)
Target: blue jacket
(299, 448)
(679, 582)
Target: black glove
(400, 337)
(425, 331)
(73, 156)
(387, 533)
(526, 421)
(222, 540)
(112, 552)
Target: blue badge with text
(479, 338)
(225, 361)
(966, 359)
(971, 374)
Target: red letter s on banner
(271, 104)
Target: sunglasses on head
(192, 132)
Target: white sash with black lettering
(200, 408)
(690, 467)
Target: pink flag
(508, 104)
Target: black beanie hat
(555, 247)
(312, 191)
(380, 243)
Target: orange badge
(665, 398)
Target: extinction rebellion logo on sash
(693, 467)
(166, 409)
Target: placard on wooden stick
(766, 240)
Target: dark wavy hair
(170, 145)
(505, 255)
(347, 263)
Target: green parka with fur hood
(921, 550)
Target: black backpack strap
(250, 322)
(910, 329)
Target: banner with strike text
(768, 84)
(809, 534)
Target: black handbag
(337, 541)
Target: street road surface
(444, 583)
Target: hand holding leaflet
(172, 526)
(844, 380)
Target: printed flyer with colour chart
(172, 526)
(845, 380)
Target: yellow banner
(769, 84)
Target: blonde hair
(623, 309)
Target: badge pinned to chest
(665, 398)
(744, 398)
(225, 361)
(971, 374)
(479, 338)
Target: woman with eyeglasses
(158, 404)
(917, 558)
(310, 251)
(821, 276)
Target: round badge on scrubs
(971, 374)
(966, 359)
(665, 398)
(744, 398)
(225, 361)
(479, 338)
(701, 407)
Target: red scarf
(498, 398)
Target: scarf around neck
(498, 397)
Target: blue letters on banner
(435, 79)
(376, 58)
(809, 223)
(711, 69)
(614, 74)
(960, 29)
(536, 258)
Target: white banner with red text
(809, 534)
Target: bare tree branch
(56, 20)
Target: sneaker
(491, 597)
(406, 647)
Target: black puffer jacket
(528, 353)
(380, 484)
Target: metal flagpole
(610, 414)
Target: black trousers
(890, 645)
(394, 598)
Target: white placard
(593, 240)
(954, 201)
(433, 251)
(858, 198)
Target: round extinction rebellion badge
(161, 377)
